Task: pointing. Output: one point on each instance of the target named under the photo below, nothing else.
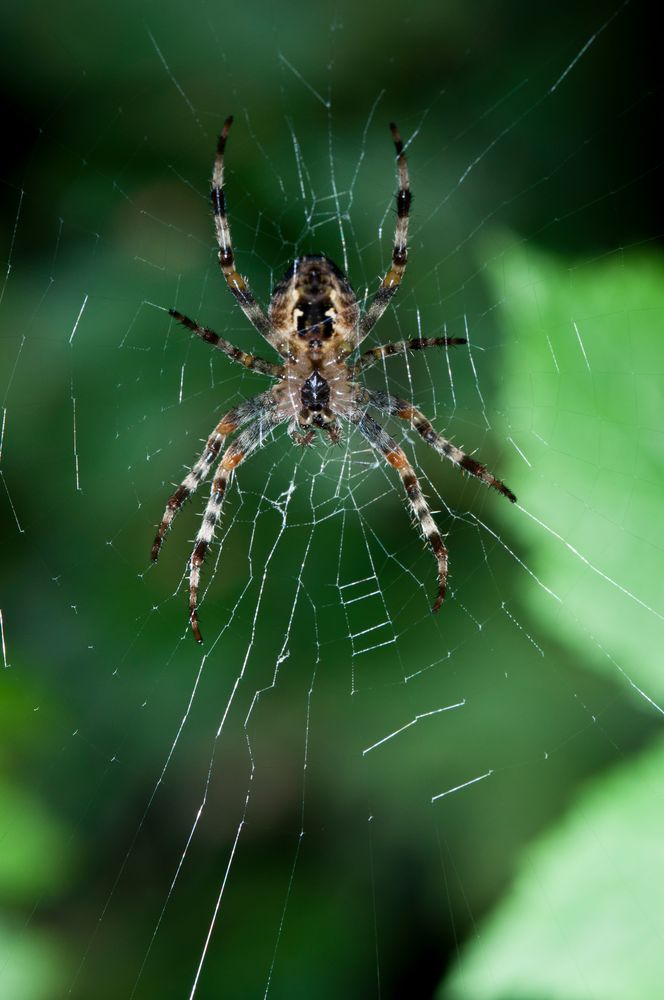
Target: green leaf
(583, 389)
(584, 918)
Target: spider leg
(229, 423)
(249, 361)
(376, 354)
(395, 273)
(234, 280)
(382, 442)
(252, 437)
(387, 403)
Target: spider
(315, 324)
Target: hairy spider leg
(234, 280)
(249, 361)
(387, 403)
(199, 471)
(395, 273)
(252, 437)
(382, 442)
(376, 354)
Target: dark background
(150, 791)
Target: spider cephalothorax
(314, 323)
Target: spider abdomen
(315, 392)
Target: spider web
(336, 793)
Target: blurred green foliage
(586, 908)
(586, 362)
(532, 174)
